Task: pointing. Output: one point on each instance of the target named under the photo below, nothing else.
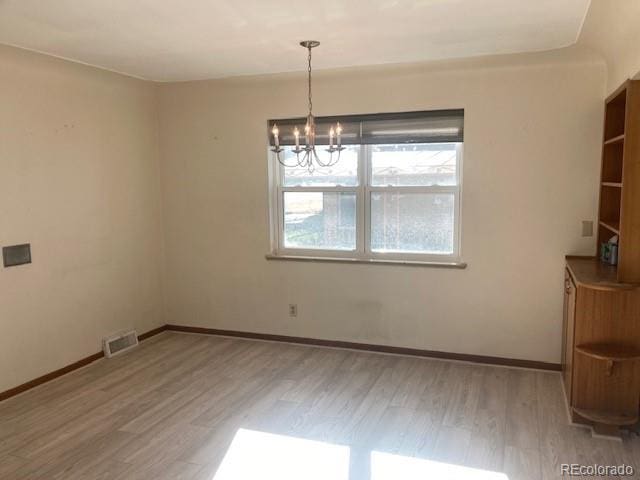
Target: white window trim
(362, 252)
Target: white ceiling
(170, 40)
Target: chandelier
(305, 154)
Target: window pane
(412, 222)
(323, 220)
(417, 164)
(344, 173)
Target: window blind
(436, 126)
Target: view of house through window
(396, 200)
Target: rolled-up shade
(436, 126)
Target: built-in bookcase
(620, 179)
(601, 348)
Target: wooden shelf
(606, 418)
(619, 138)
(590, 272)
(610, 352)
(612, 184)
(611, 225)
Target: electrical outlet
(293, 310)
(587, 228)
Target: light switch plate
(587, 228)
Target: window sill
(372, 261)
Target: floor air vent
(119, 343)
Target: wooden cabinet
(601, 346)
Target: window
(394, 194)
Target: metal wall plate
(15, 255)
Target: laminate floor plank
(172, 408)
(421, 376)
(360, 425)
(94, 458)
(522, 429)
(420, 436)
(465, 386)
(390, 432)
(557, 437)
(487, 443)
(522, 463)
(9, 465)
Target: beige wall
(532, 135)
(79, 180)
(82, 151)
(612, 28)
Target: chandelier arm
(317, 158)
(280, 161)
(322, 164)
(331, 161)
(302, 161)
(337, 157)
(339, 153)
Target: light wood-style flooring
(171, 408)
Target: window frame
(362, 191)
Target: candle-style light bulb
(339, 133)
(332, 132)
(296, 134)
(275, 133)
(307, 130)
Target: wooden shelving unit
(601, 335)
(620, 206)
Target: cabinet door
(568, 333)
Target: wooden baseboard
(152, 333)
(509, 362)
(69, 368)
(50, 376)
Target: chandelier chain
(309, 80)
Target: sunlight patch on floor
(386, 466)
(268, 456)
